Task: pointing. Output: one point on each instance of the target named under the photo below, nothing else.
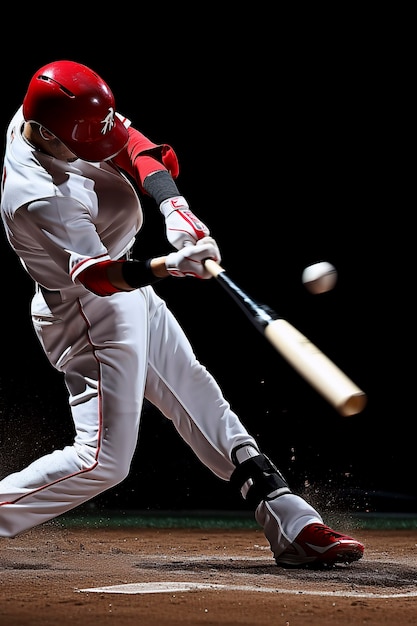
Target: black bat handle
(259, 314)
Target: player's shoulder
(24, 177)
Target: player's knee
(256, 476)
(114, 475)
(107, 471)
(113, 472)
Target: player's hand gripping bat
(315, 367)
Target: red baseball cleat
(318, 545)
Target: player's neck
(34, 139)
(28, 137)
(47, 144)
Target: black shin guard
(258, 479)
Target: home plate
(173, 587)
(161, 587)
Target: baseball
(319, 277)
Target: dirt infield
(56, 576)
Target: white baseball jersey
(68, 212)
(113, 351)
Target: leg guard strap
(262, 480)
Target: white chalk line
(173, 587)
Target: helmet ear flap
(76, 105)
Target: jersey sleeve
(62, 230)
(142, 157)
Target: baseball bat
(306, 358)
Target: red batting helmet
(73, 103)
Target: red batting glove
(182, 226)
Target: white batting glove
(189, 260)
(182, 226)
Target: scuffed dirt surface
(45, 572)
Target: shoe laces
(326, 531)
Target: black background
(284, 129)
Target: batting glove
(182, 226)
(189, 260)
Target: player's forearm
(160, 186)
(108, 277)
(128, 275)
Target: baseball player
(73, 177)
